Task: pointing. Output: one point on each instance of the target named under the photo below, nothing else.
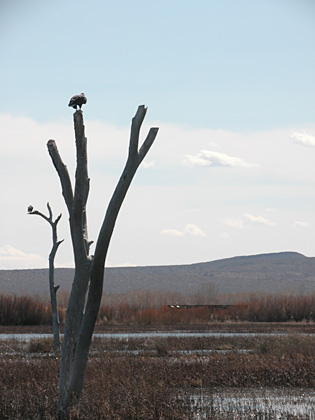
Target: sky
(230, 86)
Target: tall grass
(252, 308)
(27, 310)
(281, 308)
(146, 387)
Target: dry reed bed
(277, 344)
(122, 386)
(28, 310)
(142, 388)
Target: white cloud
(303, 138)
(124, 264)
(258, 220)
(11, 257)
(208, 158)
(172, 232)
(105, 141)
(249, 220)
(170, 198)
(234, 223)
(150, 164)
(192, 210)
(225, 235)
(300, 224)
(189, 229)
(194, 230)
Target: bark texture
(52, 287)
(87, 286)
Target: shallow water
(126, 336)
(263, 403)
(227, 404)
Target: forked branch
(87, 286)
(62, 172)
(134, 159)
(53, 289)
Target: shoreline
(235, 327)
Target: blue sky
(231, 86)
(240, 65)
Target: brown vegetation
(26, 310)
(156, 383)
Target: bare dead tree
(87, 286)
(52, 288)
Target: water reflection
(263, 403)
(126, 336)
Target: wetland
(222, 371)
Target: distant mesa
(268, 273)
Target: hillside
(285, 271)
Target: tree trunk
(52, 288)
(76, 204)
(89, 272)
(53, 298)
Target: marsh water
(138, 335)
(257, 403)
(225, 403)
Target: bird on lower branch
(77, 100)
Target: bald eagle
(30, 209)
(77, 100)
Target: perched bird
(30, 209)
(77, 100)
